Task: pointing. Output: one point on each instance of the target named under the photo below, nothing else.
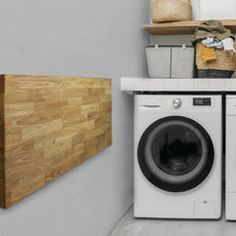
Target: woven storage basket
(171, 10)
(223, 67)
(225, 61)
(214, 74)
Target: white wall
(85, 38)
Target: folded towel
(207, 54)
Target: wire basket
(171, 61)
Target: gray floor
(128, 226)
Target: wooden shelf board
(182, 27)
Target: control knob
(177, 103)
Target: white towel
(229, 45)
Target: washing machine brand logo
(201, 101)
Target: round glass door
(175, 154)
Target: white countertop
(132, 85)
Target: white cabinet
(231, 158)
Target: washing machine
(177, 156)
(230, 157)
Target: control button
(177, 103)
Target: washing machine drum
(175, 154)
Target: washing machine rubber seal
(164, 185)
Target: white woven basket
(170, 61)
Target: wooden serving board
(48, 126)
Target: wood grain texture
(182, 27)
(49, 125)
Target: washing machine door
(175, 154)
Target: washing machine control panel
(177, 103)
(201, 101)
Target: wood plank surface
(182, 27)
(51, 124)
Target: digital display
(202, 102)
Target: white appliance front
(230, 157)
(177, 156)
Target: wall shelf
(182, 27)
